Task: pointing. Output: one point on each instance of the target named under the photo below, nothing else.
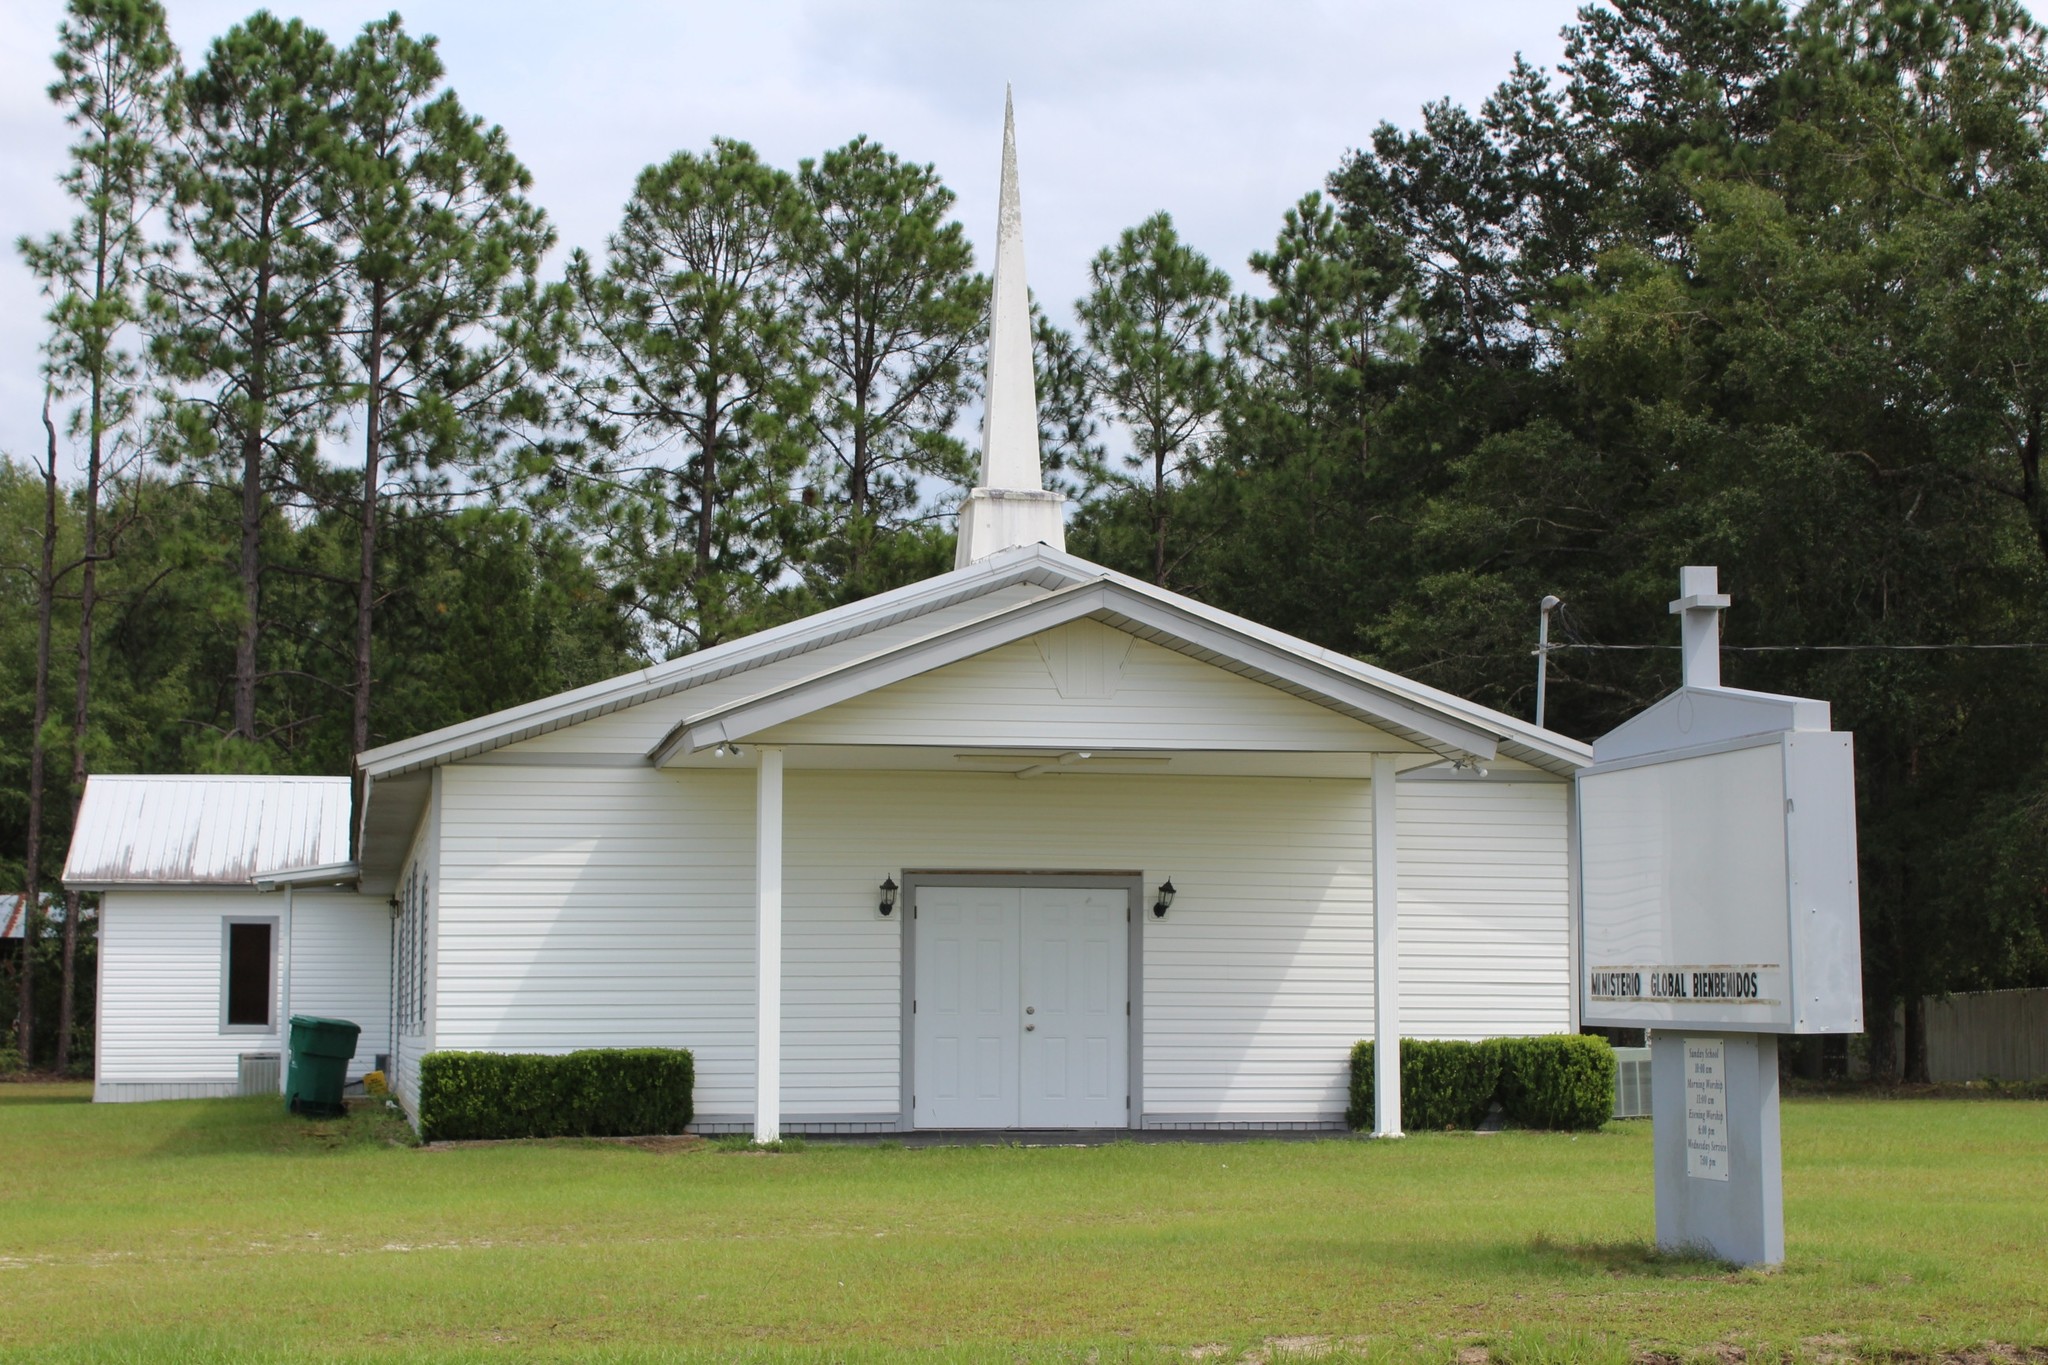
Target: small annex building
(227, 904)
(1023, 752)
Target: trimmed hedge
(1444, 1084)
(1565, 1080)
(1559, 1081)
(600, 1092)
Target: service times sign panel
(1717, 887)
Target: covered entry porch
(1023, 979)
(1096, 743)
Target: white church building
(1028, 845)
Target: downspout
(284, 992)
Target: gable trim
(1157, 622)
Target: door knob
(1031, 1009)
(1029, 1027)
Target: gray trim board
(1256, 1123)
(142, 1092)
(1134, 885)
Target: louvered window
(411, 984)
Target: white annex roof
(205, 831)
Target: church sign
(1717, 909)
(1720, 886)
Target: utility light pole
(1544, 608)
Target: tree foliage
(692, 391)
(1152, 319)
(893, 311)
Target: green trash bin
(321, 1049)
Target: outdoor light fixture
(888, 896)
(1165, 901)
(1543, 610)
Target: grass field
(224, 1230)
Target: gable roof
(1065, 587)
(1162, 619)
(204, 831)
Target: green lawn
(224, 1230)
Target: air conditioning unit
(1631, 1082)
(260, 1074)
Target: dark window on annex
(249, 963)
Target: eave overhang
(328, 874)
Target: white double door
(1021, 1014)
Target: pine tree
(247, 316)
(692, 391)
(440, 252)
(893, 314)
(116, 75)
(1152, 319)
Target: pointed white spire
(1010, 506)
(1009, 426)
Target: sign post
(1718, 909)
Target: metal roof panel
(205, 831)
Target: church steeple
(1010, 506)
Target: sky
(1222, 112)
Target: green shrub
(1444, 1083)
(601, 1092)
(1559, 1081)
(1563, 1080)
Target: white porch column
(768, 948)
(1386, 954)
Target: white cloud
(1222, 113)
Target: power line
(1821, 649)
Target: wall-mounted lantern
(888, 904)
(1165, 901)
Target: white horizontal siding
(1151, 698)
(341, 966)
(160, 1034)
(609, 906)
(606, 907)
(1485, 909)
(160, 987)
(637, 729)
(613, 907)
